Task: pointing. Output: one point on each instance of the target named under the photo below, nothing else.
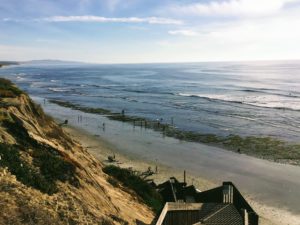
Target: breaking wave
(265, 102)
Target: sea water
(242, 98)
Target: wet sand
(102, 149)
(271, 188)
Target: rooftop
(222, 205)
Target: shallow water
(249, 98)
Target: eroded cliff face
(48, 178)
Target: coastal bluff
(46, 177)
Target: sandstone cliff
(48, 178)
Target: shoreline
(271, 188)
(266, 148)
(102, 149)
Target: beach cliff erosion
(48, 177)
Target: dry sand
(101, 150)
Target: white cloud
(252, 30)
(149, 20)
(189, 33)
(100, 19)
(268, 37)
(279, 31)
(233, 7)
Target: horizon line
(162, 62)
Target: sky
(145, 31)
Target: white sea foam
(58, 89)
(19, 78)
(267, 101)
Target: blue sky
(137, 31)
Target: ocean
(222, 98)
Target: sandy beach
(271, 188)
(101, 149)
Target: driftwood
(149, 172)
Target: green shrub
(16, 129)
(6, 94)
(8, 89)
(24, 173)
(149, 195)
(51, 165)
(5, 82)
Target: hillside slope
(48, 178)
